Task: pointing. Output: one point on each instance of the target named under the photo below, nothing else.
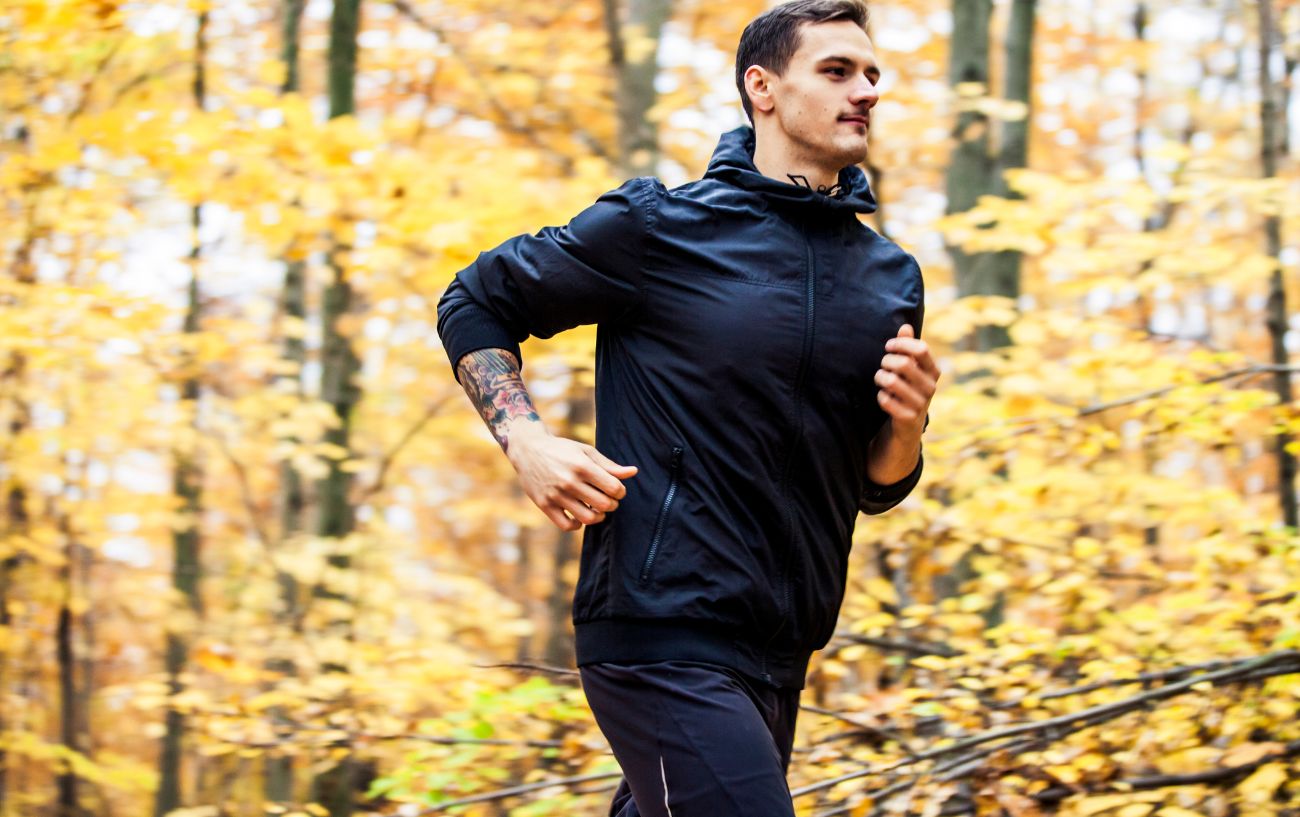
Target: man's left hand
(907, 378)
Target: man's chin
(854, 153)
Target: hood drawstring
(733, 163)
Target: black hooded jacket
(740, 323)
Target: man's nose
(865, 93)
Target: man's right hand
(572, 482)
(561, 475)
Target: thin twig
(526, 788)
(878, 731)
(1142, 678)
(1030, 423)
(524, 129)
(386, 461)
(530, 666)
(901, 645)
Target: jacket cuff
(878, 498)
(471, 327)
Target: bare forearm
(570, 481)
(492, 379)
(893, 453)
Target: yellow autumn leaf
(882, 589)
(853, 652)
(1100, 803)
(1245, 753)
(931, 662)
(1091, 762)
(1260, 786)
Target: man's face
(823, 101)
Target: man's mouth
(859, 119)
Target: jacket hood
(733, 162)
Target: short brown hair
(772, 38)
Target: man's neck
(776, 158)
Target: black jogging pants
(694, 739)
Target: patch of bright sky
(897, 29)
(151, 19)
(130, 550)
(155, 260)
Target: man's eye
(840, 70)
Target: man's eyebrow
(872, 67)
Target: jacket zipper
(663, 514)
(810, 294)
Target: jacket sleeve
(587, 271)
(876, 498)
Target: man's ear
(758, 84)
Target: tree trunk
(66, 782)
(16, 523)
(970, 168)
(1003, 268)
(975, 171)
(635, 67)
(1269, 127)
(1000, 271)
(970, 174)
(293, 305)
(336, 518)
(185, 486)
(17, 518)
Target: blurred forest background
(259, 556)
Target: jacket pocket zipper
(669, 495)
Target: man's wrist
(892, 443)
(521, 432)
(906, 433)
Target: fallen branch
(530, 666)
(513, 791)
(1278, 663)
(1142, 678)
(901, 645)
(349, 738)
(861, 727)
(1226, 775)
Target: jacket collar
(733, 162)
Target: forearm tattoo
(496, 388)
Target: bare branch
(901, 645)
(1225, 775)
(246, 496)
(1277, 663)
(531, 666)
(880, 732)
(506, 118)
(501, 794)
(1031, 423)
(386, 461)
